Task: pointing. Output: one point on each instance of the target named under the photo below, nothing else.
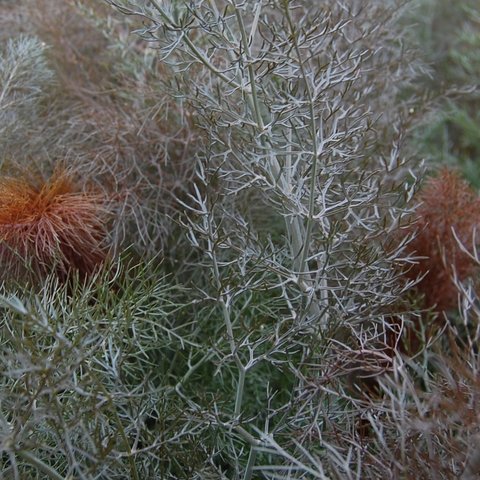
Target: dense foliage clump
(444, 244)
(51, 227)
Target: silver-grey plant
(302, 180)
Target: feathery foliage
(448, 217)
(257, 162)
(51, 227)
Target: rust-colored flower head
(50, 227)
(447, 205)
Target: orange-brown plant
(448, 214)
(442, 251)
(50, 227)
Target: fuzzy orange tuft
(51, 227)
(447, 203)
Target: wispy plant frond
(53, 226)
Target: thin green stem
(240, 388)
(251, 463)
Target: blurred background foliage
(98, 107)
(447, 36)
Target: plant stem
(313, 174)
(251, 462)
(313, 133)
(240, 388)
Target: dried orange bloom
(447, 205)
(51, 227)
